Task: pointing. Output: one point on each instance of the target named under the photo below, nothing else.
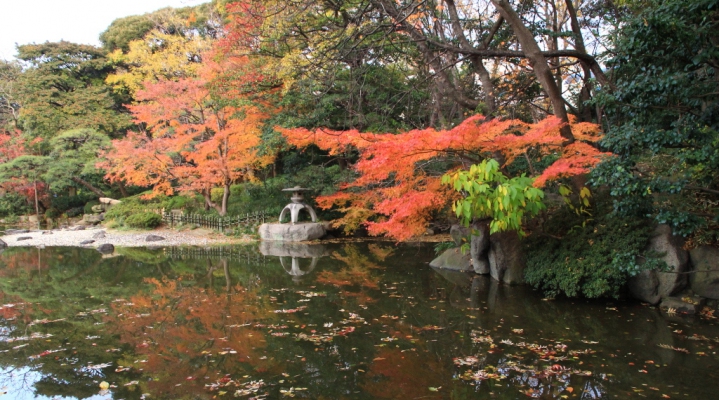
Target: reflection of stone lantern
(292, 255)
(297, 205)
(294, 268)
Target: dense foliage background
(215, 108)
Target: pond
(364, 320)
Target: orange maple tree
(191, 140)
(396, 187)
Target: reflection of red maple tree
(186, 333)
(402, 375)
(394, 184)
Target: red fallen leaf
(569, 389)
(346, 330)
(631, 363)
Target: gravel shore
(66, 237)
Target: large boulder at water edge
(453, 259)
(2, 244)
(506, 258)
(652, 286)
(478, 237)
(479, 247)
(705, 279)
(292, 233)
(106, 248)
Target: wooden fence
(219, 223)
(234, 253)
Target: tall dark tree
(663, 119)
(63, 87)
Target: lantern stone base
(292, 233)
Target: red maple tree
(192, 141)
(396, 187)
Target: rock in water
(453, 259)
(24, 238)
(99, 235)
(506, 258)
(84, 242)
(106, 248)
(652, 286)
(154, 238)
(705, 279)
(47, 233)
(479, 247)
(685, 305)
(2, 244)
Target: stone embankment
(691, 282)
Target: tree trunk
(541, 69)
(93, 189)
(225, 198)
(477, 61)
(37, 207)
(123, 190)
(220, 208)
(586, 92)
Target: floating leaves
(471, 360)
(291, 392)
(290, 311)
(34, 335)
(243, 388)
(679, 349)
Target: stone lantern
(297, 205)
(294, 231)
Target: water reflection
(290, 254)
(370, 321)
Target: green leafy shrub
(64, 203)
(488, 193)
(13, 204)
(52, 212)
(74, 212)
(145, 220)
(593, 258)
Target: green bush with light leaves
(488, 193)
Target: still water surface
(359, 321)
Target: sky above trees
(77, 21)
